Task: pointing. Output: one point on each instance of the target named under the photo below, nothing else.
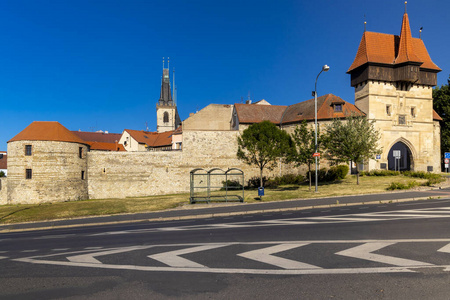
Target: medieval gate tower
(393, 78)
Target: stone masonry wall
(133, 174)
(56, 172)
(3, 190)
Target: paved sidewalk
(195, 211)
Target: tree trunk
(309, 172)
(261, 178)
(357, 176)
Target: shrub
(337, 172)
(382, 173)
(232, 184)
(402, 186)
(254, 182)
(2, 174)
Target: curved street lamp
(325, 68)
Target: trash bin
(260, 191)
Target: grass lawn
(95, 207)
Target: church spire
(165, 96)
(406, 48)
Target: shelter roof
(47, 131)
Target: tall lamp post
(324, 68)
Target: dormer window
(338, 107)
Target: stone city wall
(3, 190)
(134, 174)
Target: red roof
(3, 161)
(250, 113)
(47, 131)
(98, 136)
(436, 117)
(392, 49)
(106, 146)
(152, 139)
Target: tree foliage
(263, 144)
(441, 104)
(304, 141)
(354, 139)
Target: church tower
(167, 117)
(393, 76)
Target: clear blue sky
(96, 65)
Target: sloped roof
(250, 113)
(392, 49)
(47, 131)
(4, 161)
(102, 146)
(152, 139)
(436, 117)
(325, 109)
(102, 137)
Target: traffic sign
(317, 154)
(447, 155)
(378, 156)
(397, 153)
(447, 160)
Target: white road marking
(90, 257)
(264, 255)
(365, 252)
(3, 257)
(61, 236)
(27, 251)
(172, 259)
(60, 249)
(178, 264)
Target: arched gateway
(405, 162)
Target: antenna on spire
(406, 2)
(168, 62)
(163, 62)
(420, 32)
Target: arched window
(166, 117)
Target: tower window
(80, 152)
(28, 174)
(82, 175)
(388, 109)
(413, 112)
(28, 149)
(166, 117)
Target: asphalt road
(385, 251)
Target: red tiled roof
(47, 131)
(3, 161)
(392, 49)
(250, 113)
(152, 139)
(98, 136)
(102, 146)
(436, 117)
(325, 109)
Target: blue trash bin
(261, 191)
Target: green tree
(304, 141)
(2, 174)
(263, 144)
(354, 139)
(441, 104)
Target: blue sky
(97, 65)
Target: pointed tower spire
(406, 49)
(165, 97)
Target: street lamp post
(324, 68)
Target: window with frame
(166, 117)
(28, 150)
(338, 107)
(28, 174)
